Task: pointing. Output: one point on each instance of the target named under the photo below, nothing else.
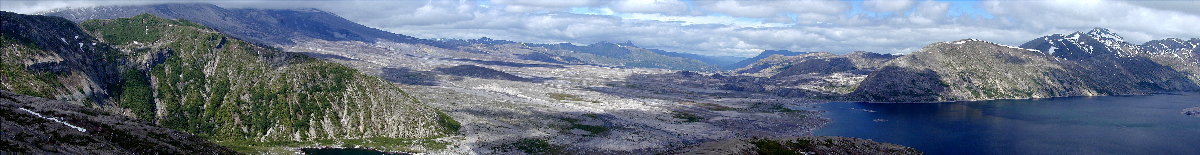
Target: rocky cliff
(53, 58)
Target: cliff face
(35, 125)
(978, 70)
(52, 58)
(181, 75)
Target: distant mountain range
(762, 55)
(316, 28)
(1094, 63)
(1091, 63)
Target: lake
(1151, 124)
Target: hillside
(978, 70)
(187, 77)
(763, 55)
(35, 125)
(52, 58)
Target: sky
(740, 28)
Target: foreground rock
(34, 125)
(1193, 111)
(798, 145)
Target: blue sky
(741, 27)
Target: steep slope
(1181, 55)
(184, 76)
(52, 58)
(979, 70)
(763, 55)
(215, 86)
(272, 27)
(35, 125)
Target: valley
(275, 81)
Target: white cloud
(740, 28)
(888, 5)
(650, 6)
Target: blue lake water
(1150, 124)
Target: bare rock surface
(1193, 111)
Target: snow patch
(55, 120)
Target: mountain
(625, 54)
(264, 26)
(763, 55)
(777, 65)
(54, 58)
(1080, 64)
(314, 31)
(184, 76)
(711, 60)
(34, 125)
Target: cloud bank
(741, 28)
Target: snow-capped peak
(1106, 36)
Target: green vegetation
(534, 146)
(136, 95)
(378, 143)
(251, 97)
(687, 117)
(145, 31)
(448, 123)
(595, 130)
(713, 107)
(20, 79)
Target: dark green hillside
(220, 87)
(184, 76)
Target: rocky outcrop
(35, 125)
(1193, 111)
(797, 145)
(53, 58)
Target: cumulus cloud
(741, 28)
(650, 6)
(888, 5)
